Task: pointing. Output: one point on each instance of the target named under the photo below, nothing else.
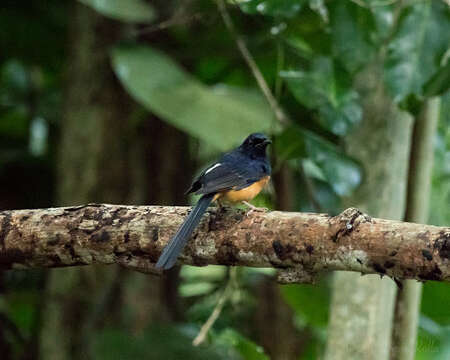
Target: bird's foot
(253, 208)
(221, 207)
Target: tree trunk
(92, 167)
(419, 187)
(362, 307)
(103, 157)
(274, 324)
(274, 321)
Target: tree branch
(302, 244)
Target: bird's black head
(255, 145)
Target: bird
(238, 176)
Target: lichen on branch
(301, 244)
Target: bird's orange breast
(245, 194)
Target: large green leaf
(220, 115)
(134, 11)
(327, 89)
(331, 165)
(341, 172)
(351, 30)
(416, 50)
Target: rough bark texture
(134, 236)
(419, 185)
(362, 308)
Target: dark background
(124, 103)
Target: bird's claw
(253, 208)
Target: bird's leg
(221, 206)
(253, 208)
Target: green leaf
(429, 346)
(248, 349)
(22, 311)
(439, 82)
(384, 18)
(435, 300)
(222, 116)
(133, 11)
(415, 52)
(312, 170)
(310, 303)
(300, 45)
(327, 89)
(351, 29)
(307, 34)
(276, 8)
(340, 171)
(290, 145)
(206, 273)
(196, 289)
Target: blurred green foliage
(162, 87)
(134, 11)
(191, 75)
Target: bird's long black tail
(176, 244)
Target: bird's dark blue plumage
(235, 172)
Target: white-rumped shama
(239, 175)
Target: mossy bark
(299, 244)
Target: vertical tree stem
(419, 185)
(362, 309)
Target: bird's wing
(225, 176)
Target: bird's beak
(267, 142)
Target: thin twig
(277, 110)
(217, 309)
